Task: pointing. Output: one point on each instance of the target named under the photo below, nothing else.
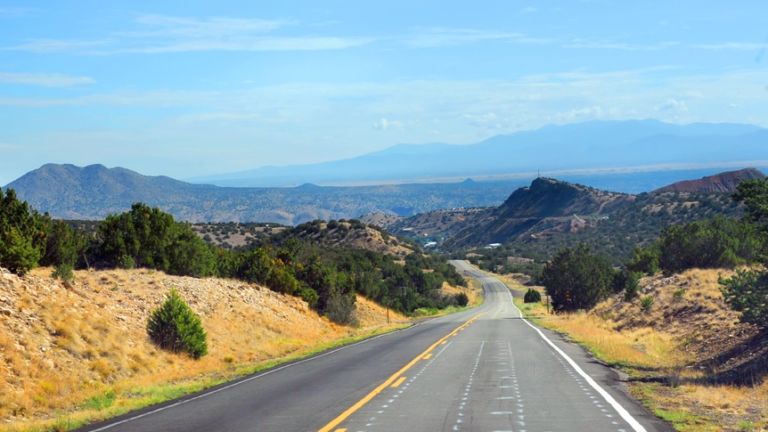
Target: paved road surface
(481, 370)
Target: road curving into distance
(485, 369)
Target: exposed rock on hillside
(721, 183)
(548, 205)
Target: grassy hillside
(74, 353)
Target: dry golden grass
(63, 349)
(473, 290)
(687, 322)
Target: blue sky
(187, 89)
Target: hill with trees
(352, 234)
(327, 276)
(537, 221)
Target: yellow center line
(389, 381)
(398, 382)
(341, 430)
(427, 356)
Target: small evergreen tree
(645, 260)
(577, 279)
(532, 296)
(19, 254)
(176, 327)
(461, 299)
(747, 292)
(754, 195)
(64, 272)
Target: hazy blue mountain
(581, 146)
(92, 192)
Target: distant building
(430, 244)
(493, 246)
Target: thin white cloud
(44, 80)
(43, 46)
(672, 106)
(487, 120)
(386, 124)
(479, 106)
(623, 46)
(210, 27)
(253, 44)
(440, 36)
(159, 34)
(733, 46)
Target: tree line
(326, 277)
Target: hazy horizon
(189, 90)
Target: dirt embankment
(77, 350)
(690, 307)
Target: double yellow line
(395, 377)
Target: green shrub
(64, 272)
(126, 262)
(645, 260)
(340, 308)
(461, 299)
(747, 292)
(149, 238)
(646, 303)
(532, 296)
(22, 234)
(627, 282)
(577, 279)
(19, 254)
(678, 294)
(176, 327)
(710, 244)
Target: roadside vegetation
(326, 277)
(100, 319)
(74, 354)
(686, 317)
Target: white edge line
(608, 398)
(245, 380)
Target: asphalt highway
(485, 369)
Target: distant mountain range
(92, 192)
(597, 146)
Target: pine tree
(176, 327)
